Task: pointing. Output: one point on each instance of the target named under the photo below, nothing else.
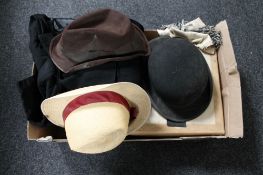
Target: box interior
(230, 90)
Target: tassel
(215, 35)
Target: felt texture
(96, 38)
(180, 81)
(216, 156)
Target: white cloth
(200, 40)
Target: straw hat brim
(53, 107)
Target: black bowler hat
(180, 80)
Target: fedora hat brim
(53, 107)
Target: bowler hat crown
(180, 79)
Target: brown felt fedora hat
(98, 37)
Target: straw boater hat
(98, 118)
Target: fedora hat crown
(94, 32)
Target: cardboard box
(231, 102)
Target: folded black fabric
(29, 92)
(50, 81)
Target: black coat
(48, 80)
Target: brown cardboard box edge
(230, 84)
(231, 96)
